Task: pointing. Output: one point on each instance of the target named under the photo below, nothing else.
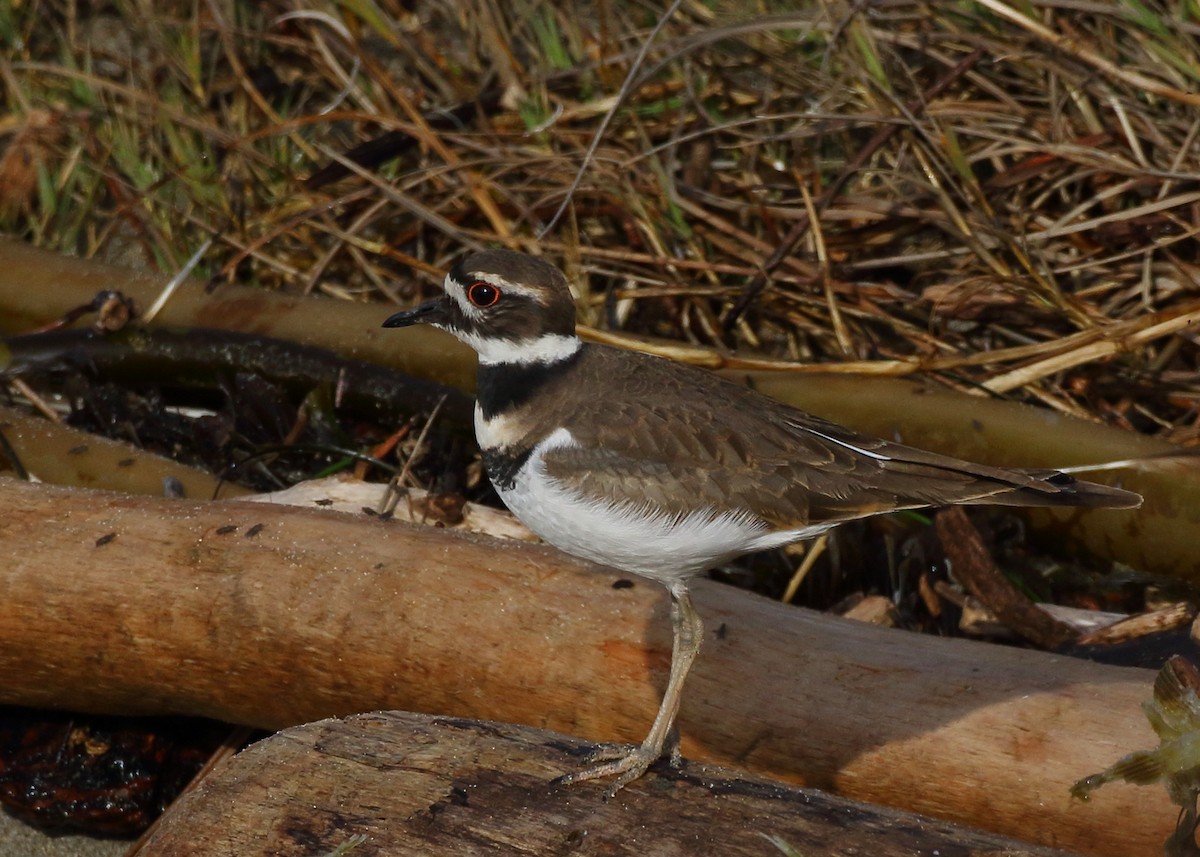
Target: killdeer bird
(665, 470)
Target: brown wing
(678, 437)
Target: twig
(1094, 351)
(1069, 47)
(800, 229)
(626, 88)
(176, 281)
(974, 567)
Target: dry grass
(1005, 195)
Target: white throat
(546, 349)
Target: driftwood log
(38, 286)
(273, 616)
(62, 455)
(394, 783)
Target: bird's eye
(483, 294)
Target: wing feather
(674, 439)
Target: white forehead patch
(458, 293)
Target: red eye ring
(482, 294)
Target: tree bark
(414, 785)
(273, 616)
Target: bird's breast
(633, 537)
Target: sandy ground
(20, 840)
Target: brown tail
(1061, 489)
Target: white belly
(630, 537)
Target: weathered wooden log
(274, 616)
(62, 455)
(434, 787)
(37, 287)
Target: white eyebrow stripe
(505, 285)
(875, 455)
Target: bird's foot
(626, 762)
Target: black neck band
(503, 386)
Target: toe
(623, 762)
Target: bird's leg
(627, 764)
